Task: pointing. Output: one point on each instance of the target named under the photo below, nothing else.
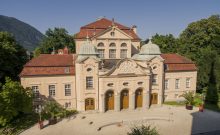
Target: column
(102, 103)
(132, 101)
(117, 102)
(146, 100)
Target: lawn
(19, 124)
(175, 103)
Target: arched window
(100, 44)
(112, 45)
(123, 45)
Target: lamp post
(38, 110)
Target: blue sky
(155, 16)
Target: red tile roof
(101, 25)
(175, 62)
(48, 64)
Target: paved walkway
(168, 120)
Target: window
(125, 83)
(154, 80)
(67, 104)
(89, 82)
(100, 45)
(112, 53)
(110, 84)
(67, 70)
(112, 34)
(123, 45)
(166, 84)
(140, 83)
(112, 45)
(123, 53)
(51, 90)
(67, 90)
(35, 90)
(101, 53)
(89, 69)
(177, 83)
(187, 82)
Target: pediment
(127, 67)
(117, 34)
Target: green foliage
(189, 98)
(198, 99)
(25, 35)
(14, 100)
(56, 39)
(13, 57)
(167, 43)
(143, 130)
(200, 42)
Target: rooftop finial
(150, 38)
(113, 21)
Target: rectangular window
(67, 90)
(52, 91)
(36, 92)
(89, 82)
(112, 53)
(177, 83)
(166, 84)
(154, 79)
(123, 53)
(67, 105)
(101, 53)
(187, 82)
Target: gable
(117, 34)
(127, 67)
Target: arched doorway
(89, 104)
(138, 98)
(124, 99)
(154, 98)
(109, 100)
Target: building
(102, 76)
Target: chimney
(66, 50)
(134, 28)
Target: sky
(150, 16)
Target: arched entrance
(89, 104)
(109, 100)
(124, 99)
(154, 98)
(138, 98)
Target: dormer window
(67, 70)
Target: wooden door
(89, 104)
(138, 98)
(124, 99)
(109, 100)
(154, 97)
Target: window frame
(188, 82)
(89, 83)
(36, 92)
(122, 54)
(166, 84)
(52, 92)
(101, 55)
(112, 55)
(67, 90)
(155, 80)
(177, 84)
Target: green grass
(174, 103)
(19, 124)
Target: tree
(14, 100)
(143, 130)
(167, 43)
(13, 57)
(56, 39)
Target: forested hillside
(25, 35)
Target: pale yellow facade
(130, 82)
